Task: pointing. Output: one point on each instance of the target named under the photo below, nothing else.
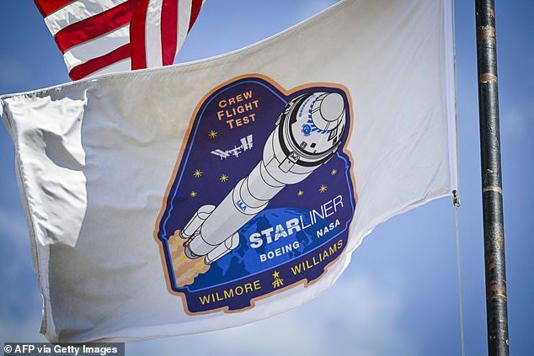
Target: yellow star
(300, 193)
(276, 274)
(223, 178)
(334, 172)
(193, 194)
(197, 174)
(323, 188)
(212, 134)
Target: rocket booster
(308, 133)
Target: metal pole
(490, 152)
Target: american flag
(105, 36)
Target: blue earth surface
(245, 260)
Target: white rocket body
(308, 133)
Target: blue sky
(399, 295)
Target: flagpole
(490, 152)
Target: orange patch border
(304, 281)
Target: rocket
(308, 133)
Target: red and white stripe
(105, 36)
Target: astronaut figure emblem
(262, 195)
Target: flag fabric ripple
(106, 36)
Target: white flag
(215, 193)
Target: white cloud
(22, 330)
(357, 316)
(20, 308)
(14, 227)
(514, 122)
